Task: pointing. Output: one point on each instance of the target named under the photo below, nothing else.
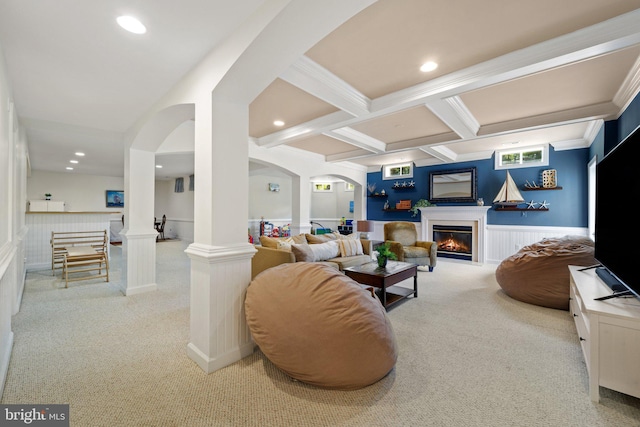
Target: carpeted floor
(469, 356)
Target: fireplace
(471, 217)
(454, 241)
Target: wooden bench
(80, 252)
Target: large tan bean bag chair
(538, 273)
(320, 326)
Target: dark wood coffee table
(383, 278)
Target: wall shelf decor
(540, 188)
(510, 208)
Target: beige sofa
(276, 251)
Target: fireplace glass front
(454, 241)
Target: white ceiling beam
(605, 37)
(358, 139)
(441, 152)
(304, 130)
(600, 39)
(409, 144)
(349, 155)
(312, 78)
(455, 114)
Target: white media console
(609, 333)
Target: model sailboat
(509, 195)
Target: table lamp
(364, 227)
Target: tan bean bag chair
(538, 273)
(319, 326)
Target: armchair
(402, 237)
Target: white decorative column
(300, 201)
(474, 216)
(139, 234)
(220, 254)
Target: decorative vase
(382, 261)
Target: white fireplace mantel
(474, 216)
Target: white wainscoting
(179, 228)
(40, 225)
(505, 240)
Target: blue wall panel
(567, 207)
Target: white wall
(274, 206)
(178, 207)
(13, 173)
(81, 193)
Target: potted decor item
(384, 254)
(47, 196)
(422, 203)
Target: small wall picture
(115, 198)
(322, 187)
(274, 187)
(348, 186)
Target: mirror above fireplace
(456, 186)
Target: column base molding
(219, 334)
(212, 364)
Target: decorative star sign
(396, 184)
(531, 205)
(412, 184)
(544, 205)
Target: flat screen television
(617, 224)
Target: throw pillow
(299, 238)
(350, 247)
(302, 252)
(325, 251)
(318, 238)
(285, 244)
(269, 242)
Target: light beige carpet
(469, 356)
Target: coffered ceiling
(509, 73)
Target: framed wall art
(115, 198)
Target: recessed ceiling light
(159, 166)
(278, 123)
(79, 154)
(69, 168)
(73, 161)
(428, 66)
(131, 24)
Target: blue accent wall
(567, 207)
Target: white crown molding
(629, 88)
(321, 83)
(570, 144)
(592, 130)
(603, 110)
